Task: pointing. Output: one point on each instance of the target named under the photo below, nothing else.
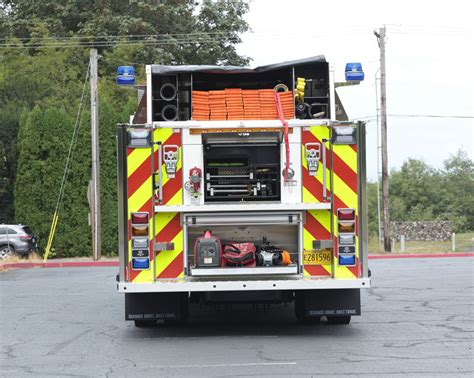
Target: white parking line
(231, 365)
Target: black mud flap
(156, 306)
(331, 302)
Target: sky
(429, 66)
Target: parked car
(16, 239)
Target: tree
(418, 187)
(193, 33)
(458, 183)
(40, 166)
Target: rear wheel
(144, 323)
(6, 252)
(339, 319)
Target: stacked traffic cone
(217, 105)
(251, 103)
(234, 103)
(200, 100)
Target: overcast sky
(430, 65)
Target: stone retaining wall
(422, 230)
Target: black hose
(168, 91)
(169, 113)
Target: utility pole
(383, 107)
(95, 187)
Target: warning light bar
(139, 218)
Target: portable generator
(207, 251)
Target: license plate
(317, 257)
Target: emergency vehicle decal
(343, 181)
(317, 227)
(169, 264)
(345, 196)
(139, 191)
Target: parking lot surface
(418, 320)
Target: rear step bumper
(170, 286)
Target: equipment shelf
(243, 207)
(242, 271)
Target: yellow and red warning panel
(329, 174)
(168, 237)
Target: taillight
(346, 227)
(25, 237)
(140, 242)
(140, 231)
(139, 218)
(346, 239)
(346, 214)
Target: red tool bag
(239, 254)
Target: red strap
(287, 144)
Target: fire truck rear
(239, 185)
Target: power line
(430, 116)
(119, 36)
(373, 117)
(147, 40)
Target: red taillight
(346, 214)
(139, 218)
(25, 237)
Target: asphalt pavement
(418, 320)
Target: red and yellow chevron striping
(141, 198)
(342, 181)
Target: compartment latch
(312, 153)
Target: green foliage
(419, 192)
(458, 185)
(40, 165)
(40, 89)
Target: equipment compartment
(242, 170)
(282, 230)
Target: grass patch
(464, 243)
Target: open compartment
(241, 167)
(282, 230)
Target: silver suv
(16, 238)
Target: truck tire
(144, 323)
(339, 319)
